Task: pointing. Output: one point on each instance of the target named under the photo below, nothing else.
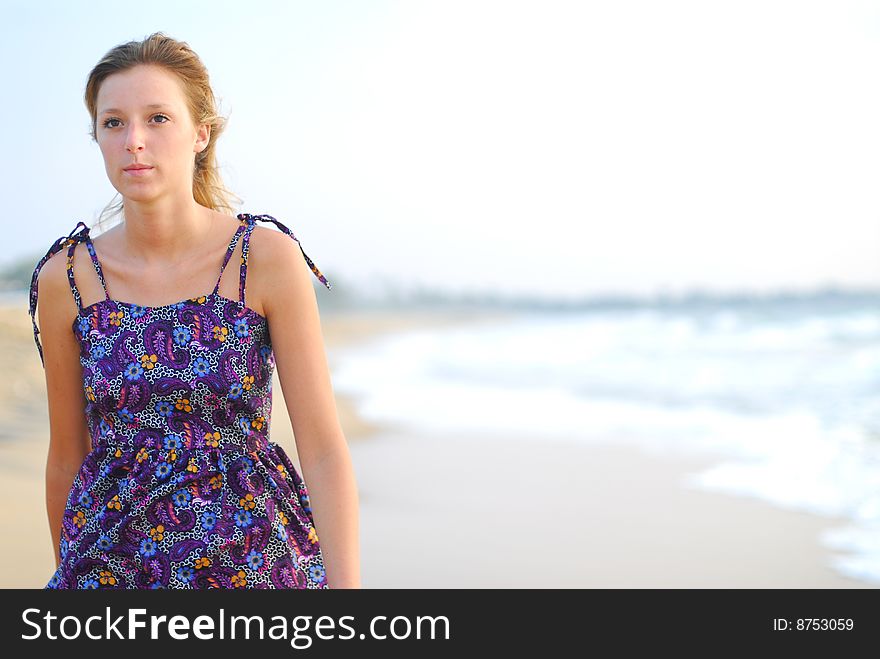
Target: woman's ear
(203, 137)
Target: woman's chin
(138, 192)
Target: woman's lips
(138, 172)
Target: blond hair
(179, 59)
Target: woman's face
(143, 119)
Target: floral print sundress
(182, 487)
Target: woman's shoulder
(51, 300)
(271, 254)
(278, 267)
(52, 275)
(279, 253)
(270, 244)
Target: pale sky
(537, 147)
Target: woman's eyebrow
(151, 105)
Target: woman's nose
(134, 142)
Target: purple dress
(182, 487)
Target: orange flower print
(283, 518)
(247, 502)
(79, 519)
(90, 393)
(239, 580)
(220, 332)
(216, 482)
(172, 455)
(248, 382)
(258, 422)
(116, 317)
(212, 439)
(118, 453)
(114, 503)
(313, 535)
(192, 467)
(107, 578)
(198, 300)
(203, 562)
(183, 404)
(142, 454)
(157, 532)
(148, 361)
(282, 471)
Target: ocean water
(785, 395)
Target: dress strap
(77, 235)
(95, 262)
(242, 225)
(251, 223)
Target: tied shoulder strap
(75, 236)
(268, 218)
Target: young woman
(160, 472)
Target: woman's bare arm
(69, 440)
(284, 282)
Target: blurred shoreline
(459, 511)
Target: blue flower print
(182, 335)
(280, 531)
(317, 573)
(255, 559)
(137, 311)
(235, 390)
(104, 542)
(172, 441)
(209, 520)
(164, 408)
(243, 518)
(148, 547)
(163, 470)
(97, 352)
(182, 497)
(82, 324)
(55, 581)
(201, 367)
(90, 584)
(265, 351)
(134, 371)
(241, 327)
(156, 585)
(85, 500)
(248, 464)
(125, 415)
(244, 424)
(186, 574)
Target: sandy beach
(441, 512)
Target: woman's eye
(106, 124)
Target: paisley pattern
(182, 487)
